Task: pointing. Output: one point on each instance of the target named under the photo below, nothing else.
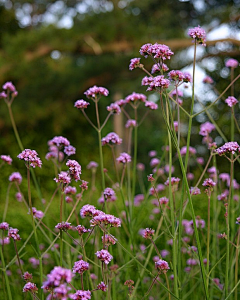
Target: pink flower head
(151, 105)
(174, 181)
(192, 262)
(102, 286)
(231, 101)
(176, 75)
(200, 160)
(95, 92)
(69, 150)
(88, 211)
(124, 158)
(27, 276)
(80, 267)
(206, 128)
(230, 147)
(223, 196)
(70, 190)
(157, 51)
(156, 68)
(9, 86)
(74, 169)
(155, 82)
(13, 233)
(92, 165)
(104, 256)
(15, 177)
(7, 159)
(59, 141)
(195, 191)
(162, 266)
(192, 150)
(164, 253)
(81, 229)
(37, 213)
(34, 262)
(30, 287)
(138, 199)
(63, 177)
(135, 97)
(106, 219)
(232, 63)
(82, 104)
(209, 182)
(109, 194)
(140, 167)
(207, 79)
(4, 226)
(114, 108)
(65, 226)
(198, 34)
(154, 162)
(130, 123)
(19, 197)
(147, 233)
(81, 295)
(163, 200)
(238, 220)
(31, 158)
(108, 240)
(57, 276)
(224, 177)
(111, 139)
(134, 63)
(3, 95)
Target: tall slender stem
(208, 238)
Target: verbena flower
(191, 150)
(105, 219)
(124, 158)
(13, 233)
(156, 68)
(9, 86)
(198, 34)
(104, 256)
(232, 63)
(80, 266)
(111, 139)
(174, 181)
(147, 233)
(95, 91)
(88, 211)
(195, 191)
(156, 50)
(15, 177)
(37, 213)
(70, 190)
(109, 194)
(59, 141)
(114, 108)
(135, 97)
(63, 177)
(57, 276)
(162, 266)
(155, 82)
(4, 226)
(108, 240)
(209, 182)
(163, 200)
(74, 169)
(230, 147)
(27, 276)
(30, 287)
(31, 158)
(151, 105)
(131, 123)
(207, 79)
(64, 226)
(231, 101)
(19, 197)
(102, 286)
(7, 159)
(92, 165)
(81, 104)
(81, 295)
(134, 63)
(69, 150)
(81, 229)
(206, 128)
(192, 262)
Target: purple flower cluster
(114, 108)
(207, 79)
(198, 34)
(179, 76)
(37, 213)
(232, 63)
(231, 101)
(31, 158)
(151, 105)
(7, 159)
(74, 169)
(109, 194)
(56, 277)
(230, 147)
(92, 165)
(162, 266)
(63, 177)
(155, 82)
(174, 180)
(206, 128)
(10, 89)
(65, 226)
(104, 256)
(195, 191)
(30, 287)
(81, 229)
(15, 177)
(4, 226)
(108, 240)
(81, 104)
(80, 267)
(59, 141)
(131, 123)
(192, 150)
(111, 139)
(135, 97)
(81, 295)
(102, 286)
(156, 68)
(156, 50)
(134, 63)
(209, 182)
(95, 91)
(147, 233)
(13, 233)
(124, 158)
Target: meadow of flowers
(176, 239)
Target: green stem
(208, 239)
(5, 276)
(6, 203)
